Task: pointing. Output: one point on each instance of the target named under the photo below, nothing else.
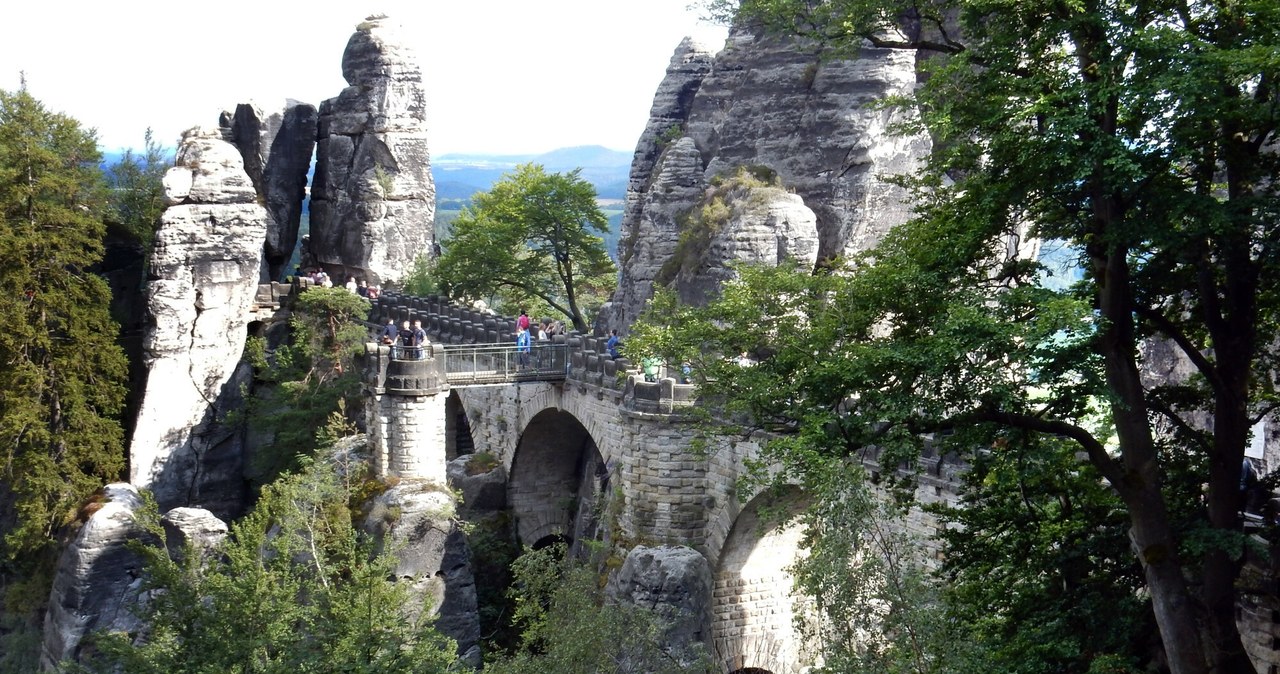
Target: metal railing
(399, 352)
(504, 363)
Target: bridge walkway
(493, 363)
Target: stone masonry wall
(414, 426)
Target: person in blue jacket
(612, 345)
(522, 347)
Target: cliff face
(373, 199)
(204, 275)
(277, 151)
(777, 103)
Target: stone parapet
(589, 364)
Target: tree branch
(1167, 327)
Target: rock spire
(205, 267)
(780, 105)
(373, 199)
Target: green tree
(534, 234)
(1138, 135)
(61, 374)
(569, 628)
(1039, 573)
(421, 279)
(306, 380)
(294, 588)
(137, 194)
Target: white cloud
(501, 75)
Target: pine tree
(61, 373)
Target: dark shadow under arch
(457, 428)
(555, 480)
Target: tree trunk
(1174, 612)
(1140, 488)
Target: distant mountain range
(458, 176)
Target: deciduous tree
(535, 234)
(1138, 137)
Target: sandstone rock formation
(778, 103)
(742, 220)
(277, 151)
(204, 274)
(653, 220)
(98, 580)
(675, 583)
(482, 492)
(373, 199)
(415, 520)
(197, 527)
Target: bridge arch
(752, 605)
(556, 477)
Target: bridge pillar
(406, 415)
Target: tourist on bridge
(406, 341)
(389, 332)
(522, 346)
(611, 346)
(420, 343)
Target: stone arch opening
(555, 480)
(548, 541)
(752, 606)
(457, 428)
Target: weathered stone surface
(98, 580)
(483, 492)
(277, 150)
(195, 526)
(781, 103)
(675, 186)
(415, 518)
(675, 583)
(204, 274)
(689, 65)
(766, 225)
(373, 199)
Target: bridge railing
(585, 360)
(504, 363)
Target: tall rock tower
(373, 199)
(779, 106)
(205, 267)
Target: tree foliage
(307, 379)
(534, 235)
(61, 374)
(295, 588)
(1136, 136)
(137, 194)
(569, 628)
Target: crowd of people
(408, 343)
(527, 333)
(321, 278)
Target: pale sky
(501, 76)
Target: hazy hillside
(458, 176)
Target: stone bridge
(602, 443)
